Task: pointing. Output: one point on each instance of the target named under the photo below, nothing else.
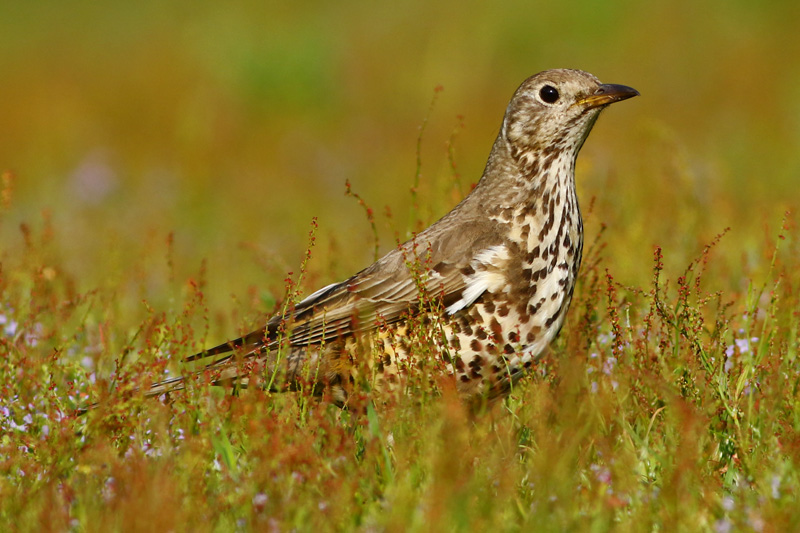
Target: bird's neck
(534, 196)
(527, 181)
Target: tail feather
(166, 386)
(228, 369)
(246, 344)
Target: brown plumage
(492, 279)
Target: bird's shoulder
(437, 258)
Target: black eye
(548, 94)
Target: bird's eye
(548, 94)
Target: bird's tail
(239, 357)
(238, 362)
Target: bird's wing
(449, 269)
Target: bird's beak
(607, 93)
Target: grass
(660, 407)
(238, 160)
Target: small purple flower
(602, 473)
(727, 503)
(729, 351)
(776, 487)
(743, 345)
(10, 327)
(723, 526)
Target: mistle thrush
(492, 279)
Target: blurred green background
(233, 124)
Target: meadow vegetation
(168, 181)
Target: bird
(488, 284)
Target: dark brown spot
(475, 346)
(460, 364)
(488, 305)
(548, 162)
(468, 270)
(464, 378)
(503, 310)
(481, 334)
(508, 349)
(513, 336)
(549, 322)
(497, 329)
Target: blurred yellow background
(233, 124)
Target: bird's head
(556, 109)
